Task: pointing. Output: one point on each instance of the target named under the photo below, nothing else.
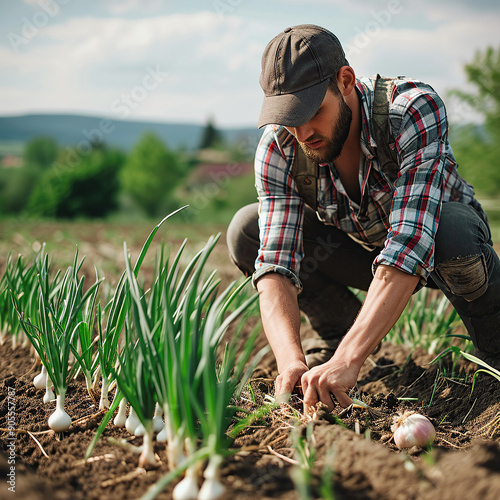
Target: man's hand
(287, 380)
(332, 378)
(387, 297)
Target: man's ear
(346, 80)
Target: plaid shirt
(402, 217)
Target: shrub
(88, 188)
(16, 186)
(151, 174)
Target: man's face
(322, 138)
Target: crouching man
(358, 187)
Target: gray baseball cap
(297, 66)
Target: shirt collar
(282, 137)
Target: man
(387, 230)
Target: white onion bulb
(212, 488)
(132, 421)
(40, 381)
(60, 421)
(158, 424)
(121, 416)
(140, 430)
(412, 429)
(49, 395)
(187, 488)
(161, 437)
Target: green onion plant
(83, 346)
(22, 279)
(484, 366)
(53, 329)
(428, 321)
(109, 330)
(180, 322)
(305, 456)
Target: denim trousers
(466, 270)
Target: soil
(360, 454)
(351, 451)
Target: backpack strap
(386, 144)
(305, 174)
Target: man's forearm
(387, 296)
(386, 299)
(281, 318)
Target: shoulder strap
(305, 171)
(305, 174)
(386, 144)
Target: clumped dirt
(356, 448)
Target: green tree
(484, 73)
(87, 187)
(151, 174)
(41, 152)
(16, 185)
(477, 149)
(211, 137)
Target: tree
(484, 74)
(151, 174)
(16, 186)
(88, 187)
(477, 149)
(211, 137)
(41, 152)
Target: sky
(190, 61)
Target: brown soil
(363, 460)
(360, 455)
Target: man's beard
(333, 145)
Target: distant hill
(70, 130)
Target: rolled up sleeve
(419, 121)
(280, 211)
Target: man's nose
(303, 132)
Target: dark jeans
(467, 270)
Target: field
(281, 454)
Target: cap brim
(293, 110)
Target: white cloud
(125, 6)
(434, 56)
(88, 63)
(83, 64)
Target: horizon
(187, 62)
(158, 121)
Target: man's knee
(466, 277)
(461, 232)
(461, 241)
(243, 238)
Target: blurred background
(122, 111)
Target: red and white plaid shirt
(402, 218)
